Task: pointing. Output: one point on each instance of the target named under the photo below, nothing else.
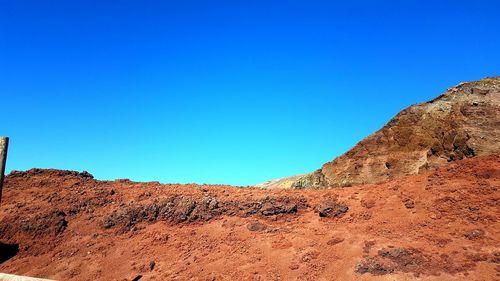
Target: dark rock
(478, 257)
(273, 207)
(137, 278)
(406, 258)
(179, 209)
(335, 241)
(269, 206)
(374, 266)
(331, 209)
(256, 226)
(409, 204)
(54, 223)
(85, 175)
(495, 257)
(474, 234)
(368, 246)
(294, 266)
(473, 209)
(184, 208)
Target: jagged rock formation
(461, 123)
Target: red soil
(439, 225)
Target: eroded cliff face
(461, 123)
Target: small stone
(335, 241)
(294, 266)
(474, 234)
(409, 204)
(256, 226)
(331, 209)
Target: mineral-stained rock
(474, 234)
(373, 265)
(335, 241)
(256, 226)
(273, 207)
(461, 123)
(179, 209)
(312, 180)
(403, 257)
(331, 208)
(409, 204)
(54, 224)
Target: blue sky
(233, 92)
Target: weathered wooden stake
(4, 146)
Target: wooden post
(4, 146)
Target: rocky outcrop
(179, 209)
(461, 123)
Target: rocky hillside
(461, 123)
(437, 225)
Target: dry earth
(437, 225)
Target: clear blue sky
(233, 92)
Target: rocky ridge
(461, 123)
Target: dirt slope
(463, 122)
(437, 225)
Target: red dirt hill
(437, 225)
